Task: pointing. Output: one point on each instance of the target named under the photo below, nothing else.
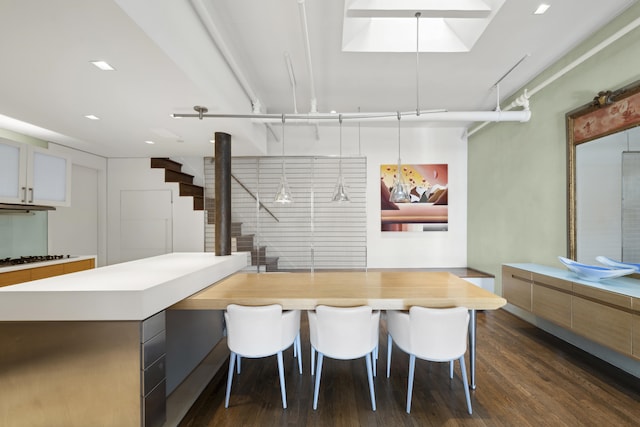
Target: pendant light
(400, 190)
(340, 192)
(284, 193)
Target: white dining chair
(344, 333)
(432, 334)
(255, 332)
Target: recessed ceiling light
(92, 117)
(150, 142)
(541, 9)
(103, 65)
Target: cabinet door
(13, 162)
(516, 287)
(604, 324)
(552, 299)
(49, 178)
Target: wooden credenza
(34, 273)
(607, 313)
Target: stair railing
(254, 197)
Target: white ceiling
(167, 59)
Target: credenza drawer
(604, 324)
(600, 295)
(516, 287)
(553, 305)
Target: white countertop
(131, 290)
(17, 267)
(621, 285)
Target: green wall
(517, 171)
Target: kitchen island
(90, 348)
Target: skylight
(390, 26)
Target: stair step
(191, 190)
(176, 176)
(165, 162)
(236, 229)
(198, 203)
(245, 243)
(272, 263)
(210, 204)
(259, 255)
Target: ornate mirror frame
(608, 113)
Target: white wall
(380, 146)
(137, 174)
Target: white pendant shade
(284, 193)
(399, 190)
(340, 192)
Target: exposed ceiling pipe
(425, 116)
(313, 107)
(216, 37)
(209, 25)
(307, 47)
(524, 98)
(292, 79)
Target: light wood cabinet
(13, 277)
(635, 341)
(33, 175)
(35, 273)
(551, 299)
(604, 324)
(609, 318)
(516, 287)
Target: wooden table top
(391, 290)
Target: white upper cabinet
(32, 175)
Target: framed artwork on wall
(428, 209)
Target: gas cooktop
(30, 259)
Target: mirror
(603, 174)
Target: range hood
(23, 208)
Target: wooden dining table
(381, 290)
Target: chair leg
(374, 361)
(389, 347)
(370, 377)
(463, 369)
(295, 346)
(318, 375)
(238, 359)
(451, 369)
(313, 360)
(412, 370)
(297, 351)
(283, 390)
(232, 361)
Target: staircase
(173, 173)
(239, 242)
(244, 242)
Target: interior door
(146, 219)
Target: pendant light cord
(340, 159)
(283, 145)
(418, 14)
(399, 140)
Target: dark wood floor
(525, 377)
